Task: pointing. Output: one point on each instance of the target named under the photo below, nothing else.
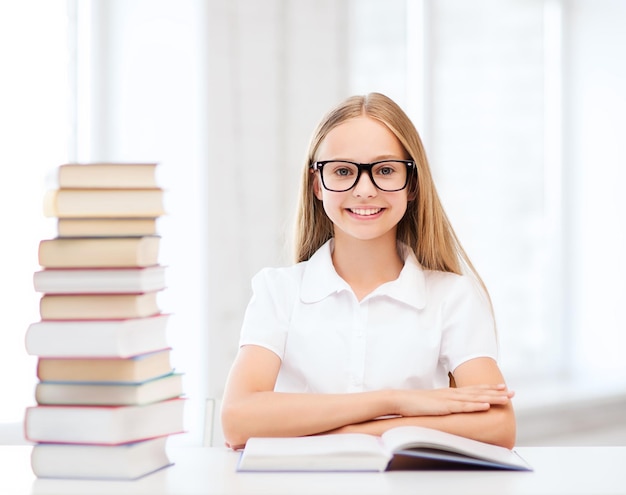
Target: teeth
(365, 211)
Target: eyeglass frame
(319, 165)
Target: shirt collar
(320, 280)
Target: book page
(348, 443)
(414, 437)
(343, 452)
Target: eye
(340, 170)
(386, 169)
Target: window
(35, 130)
(518, 104)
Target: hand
(234, 447)
(445, 401)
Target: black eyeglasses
(343, 175)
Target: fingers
(493, 394)
(477, 398)
(445, 401)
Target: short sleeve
(468, 325)
(266, 319)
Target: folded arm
(251, 407)
(495, 425)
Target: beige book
(106, 175)
(133, 369)
(97, 306)
(116, 252)
(106, 227)
(104, 203)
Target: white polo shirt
(406, 334)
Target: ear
(317, 187)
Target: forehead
(362, 139)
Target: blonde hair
(425, 228)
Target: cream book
(104, 203)
(106, 227)
(105, 176)
(132, 369)
(98, 306)
(113, 252)
(403, 447)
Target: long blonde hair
(425, 228)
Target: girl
(383, 321)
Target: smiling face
(364, 212)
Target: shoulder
(448, 281)
(312, 279)
(279, 279)
(453, 293)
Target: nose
(365, 187)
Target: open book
(404, 447)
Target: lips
(366, 212)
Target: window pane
(487, 152)
(34, 126)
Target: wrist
(392, 402)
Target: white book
(403, 447)
(97, 338)
(99, 280)
(108, 462)
(103, 425)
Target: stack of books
(107, 396)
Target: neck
(365, 265)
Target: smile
(365, 212)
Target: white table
(558, 470)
